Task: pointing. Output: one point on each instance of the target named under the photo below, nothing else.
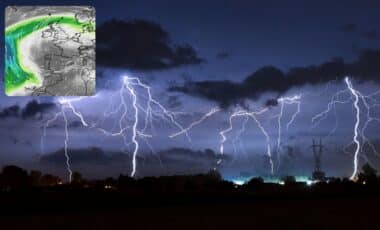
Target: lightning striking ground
(142, 105)
(253, 116)
(356, 128)
(362, 104)
(137, 111)
(286, 101)
(134, 126)
(64, 105)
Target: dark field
(88, 211)
(203, 201)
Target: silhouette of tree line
(16, 177)
(13, 178)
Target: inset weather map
(49, 51)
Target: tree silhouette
(289, 180)
(77, 178)
(214, 175)
(255, 182)
(14, 177)
(49, 180)
(368, 174)
(35, 177)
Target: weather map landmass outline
(17, 74)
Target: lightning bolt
(143, 105)
(283, 101)
(356, 128)
(45, 126)
(134, 127)
(296, 99)
(253, 116)
(66, 145)
(137, 112)
(152, 108)
(64, 105)
(238, 135)
(366, 102)
(195, 123)
(335, 99)
(67, 103)
(360, 102)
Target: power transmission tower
(318, 174)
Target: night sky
(202, 54)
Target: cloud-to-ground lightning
(66, 145)
(286, 101)
(237, 138)
(144, 110)
(283, 101)
(134, 126)
(253, 116)
(362, 104)
(64, 105)
(134, 111)
(356, 128)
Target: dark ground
(204, 201)
(115, 211)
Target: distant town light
(238, 182)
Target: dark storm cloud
(31, 110)
(175, 161)
(224, 92)
(11, 111)
(184, 154)
(14, 139)
(17, 141)
(94, 155)
(89, 155)
(223, 55)
(75, 124)
(372, 35)
(174, 102)
(71, 125)
(186, 77)
(34, 108)
(350, 27)
(271, 79)
(271, 102)
(141, 45)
